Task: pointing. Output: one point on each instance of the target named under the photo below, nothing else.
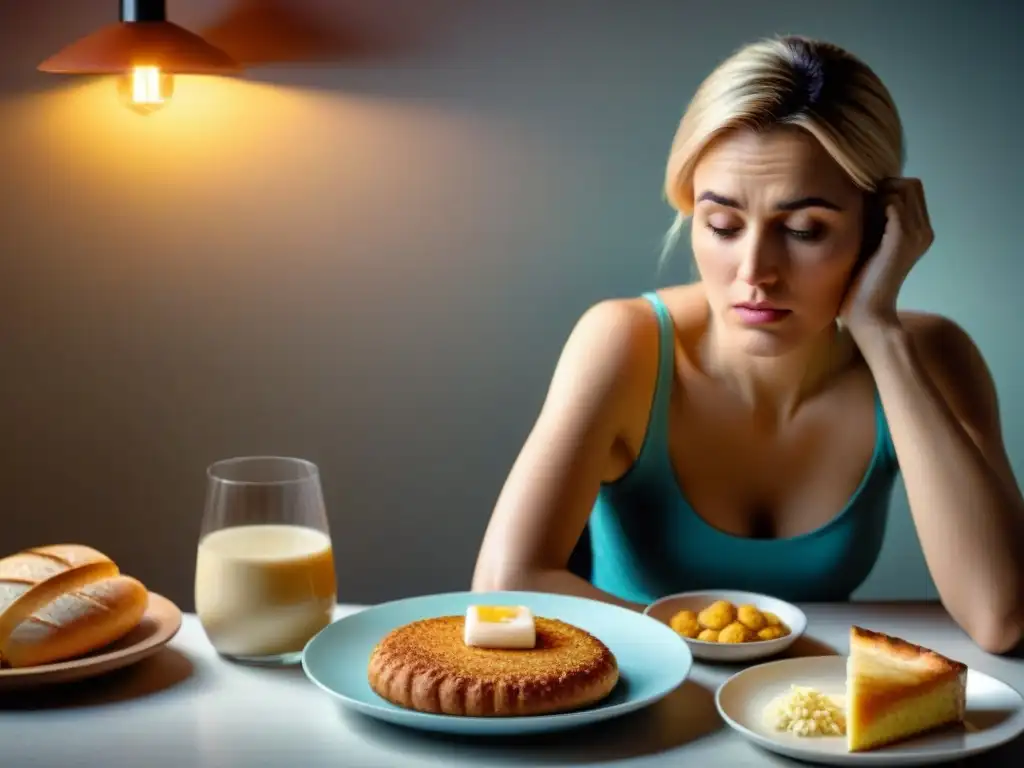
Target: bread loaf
(63, 601)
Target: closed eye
(806, 235)
(723, 232)
(803, 235)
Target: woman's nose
(759, 261)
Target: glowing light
(145, 89)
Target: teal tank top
(647, 541)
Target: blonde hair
(792, 80)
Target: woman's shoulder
(621, 326)
(953, 360)
(944, 346)
(611, 355)
(688, 305)
(613, 333)
(930, 328)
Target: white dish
(664, 609)
(995, 715)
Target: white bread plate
(67, 613)
(666, 607)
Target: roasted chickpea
(734, 633)
(718, 615)
(685, 623)
(750, 617)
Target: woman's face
(776, 230)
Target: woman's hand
(871, 299)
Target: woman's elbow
(999, 635)
(487, 582)
(500, 580)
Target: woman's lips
(759, 314)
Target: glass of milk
(264, 582)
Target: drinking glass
(265, 580)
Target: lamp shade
(120, 46)
(143, 37)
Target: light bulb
(145, 89)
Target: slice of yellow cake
(895, 690)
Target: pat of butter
(500, 626)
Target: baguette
(63, 601)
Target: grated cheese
(807, 712)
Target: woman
(745, 431)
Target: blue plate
(652, 659)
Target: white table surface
(186, 706)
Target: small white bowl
(665, 608)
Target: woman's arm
(943, 414)
(608, 362)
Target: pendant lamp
(146, 51)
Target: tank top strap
(884, 436)
(657, 425)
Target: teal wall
(374, 263)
